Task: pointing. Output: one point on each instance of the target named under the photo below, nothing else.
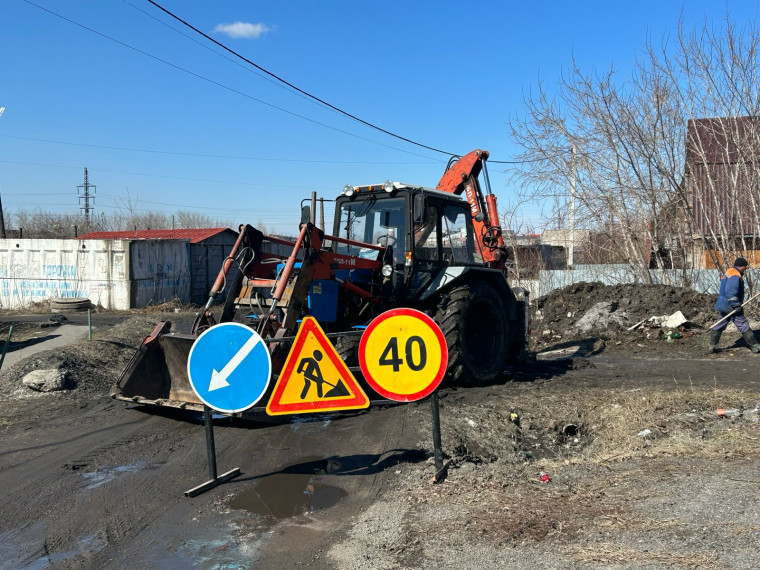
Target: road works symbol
(314, 378)
(403, 355)
(229, 367)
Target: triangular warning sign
(315, 378)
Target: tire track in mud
(96, 485)
(52, 484)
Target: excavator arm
(460, 177)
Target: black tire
(474, 322)
(70, 304)
(348, 349)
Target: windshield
(381, 222)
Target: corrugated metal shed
(723, 173)
(207, 250)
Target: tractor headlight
(389, 186)
(348, 190)
(387, 270)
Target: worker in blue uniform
(729, 305)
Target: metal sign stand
(440, 468)
(211, 453)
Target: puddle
(282, 495)
(101, 476)
(216, 544)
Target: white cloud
(244, 30)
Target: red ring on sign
(441, 342)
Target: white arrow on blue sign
(229, 367)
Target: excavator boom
(462, 177)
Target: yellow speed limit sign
(403, 355)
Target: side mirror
(418, 208)
(305, 215)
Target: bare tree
(41, 225)
(630, 136)
(187, 219)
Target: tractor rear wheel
(474, 322)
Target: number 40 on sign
(403, 355)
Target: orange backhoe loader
(439, 250)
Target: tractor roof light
(389, 186)
(349, 191)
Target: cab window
(456, 235)
(380, 222)
(446, 235)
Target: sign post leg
(210, 449)
(436, 431)
(211, 455)
(440, 468)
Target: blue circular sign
(229, 367)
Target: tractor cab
(426, 230)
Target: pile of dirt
(88, 366)
(584, 310)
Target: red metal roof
(194, 235)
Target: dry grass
(682, 423)
(175, 305)
(610, 553)
(535, 515)
(495, 483)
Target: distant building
(722, 180)
(562, 238)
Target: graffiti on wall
(59, 281)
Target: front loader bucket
(157, 373)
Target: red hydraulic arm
(462, 176)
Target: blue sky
(221, 139)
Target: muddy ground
(616, 448)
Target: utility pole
(2, 220)
(2, 215)
(570, 252)
(322, 214)
(84, 189)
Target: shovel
(736, 309)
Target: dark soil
(560, 310)
(90, 366)
(627, 317)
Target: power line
(295, 87)
(202, 155)
(274, 76)
(309, 95)
(204, 46)
(137, 199)
(164, 176)
(218, 84)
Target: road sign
(403, 355)
(229, 367)
(315, 378)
